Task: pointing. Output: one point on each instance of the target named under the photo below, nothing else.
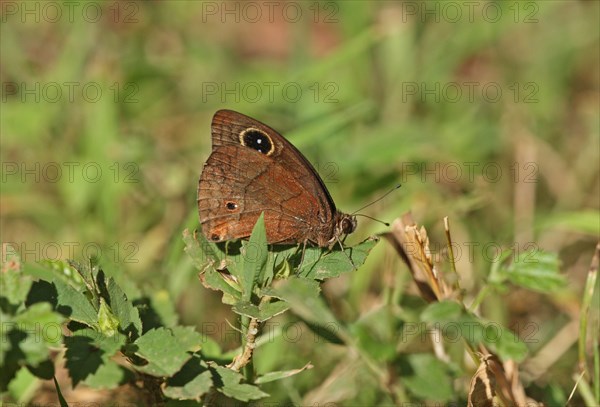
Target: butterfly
(252, 170)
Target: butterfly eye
(348, 225)
(257, 140)
(232, 206)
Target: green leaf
(107, 322)
(109, 375)
(188, 337)
(128, 315)
(42, 328)
(42, 321)
(442, 311)
(34, 350)
(12, 357)
(457, 324)
(109, 345)
(232, 387)
(39, 271)
(204, 254)
(44, 370)
(87, 273)
(262, 312)
(303, 297)
(255, 258)
(163, 351)
(85, 354)
(191, 382)
(162, 304)
(192, 390)
(211, 349)
(320, 266)
(247, 309)
(272, 376)
(536, 270)
(15, 285)
(220, 281)
(427, 377)
(377, 333)
(63, 271)
(22, 387)
(294, 287)
(579, 222)
(74, 304)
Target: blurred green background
(486, 112)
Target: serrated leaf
(41, 317)
(164, 353)
(216, 280)
(40, 328)
(295, 287)
(63, 271)
(255, 258)
(33, 349)
(536, 270)
(204, 254)
(75, 304)
(38, 271)
(82, 358)
(156, 311)
(85, 272)
(192, 390)
(188, 337)
(262, 312)
(108, 344)
(42, 323)
(191, 382)
(319, 266)
(232, 387)
(108, 376)
(108, 323)
(127, 315)
(272, 376)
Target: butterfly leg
(343, 251)
(302, 257)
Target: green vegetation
(488, 117)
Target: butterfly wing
(253, 169)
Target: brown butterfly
(253, 169)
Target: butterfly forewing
(231, 197)
(253, 169)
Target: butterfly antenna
(372, 218)
(375, 201)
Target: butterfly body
(253, 169)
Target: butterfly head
(344, 225)
(347, 224)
